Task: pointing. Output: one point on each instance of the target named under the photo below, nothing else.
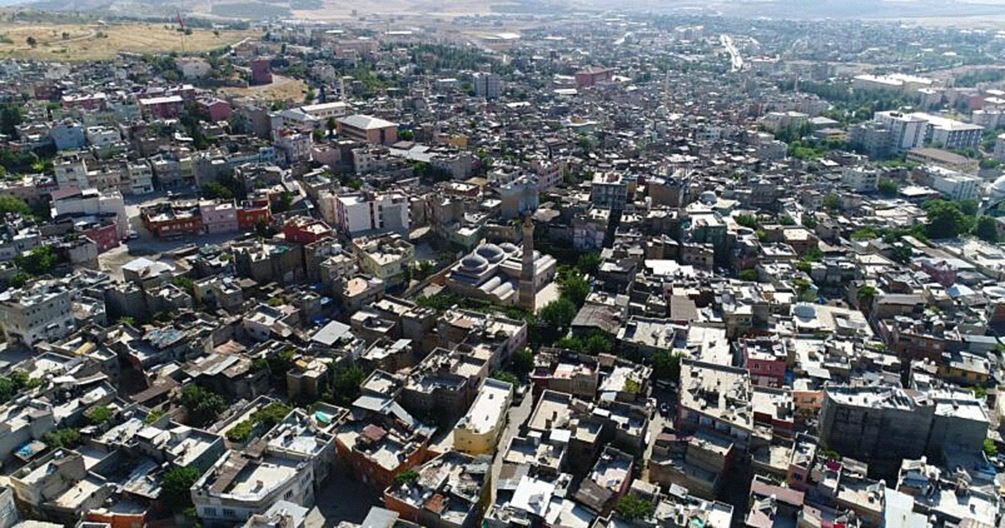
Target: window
(287, 495)
(227, 512)
(209, 512)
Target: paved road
(518, 414)
(656, 425)
(734, 54)
(345, 499)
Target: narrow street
(518, 414)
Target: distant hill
(806, 9)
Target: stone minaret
(527, 271)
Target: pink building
(261, 72)
(161, 107)
(216, 109)
(765, 358)
(593, 75)
(105, 236)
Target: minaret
(527, 270)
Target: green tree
(588, 263)
(990, 449)
(18, 279)
(575, 287)
(666, 365)
(66, 438)
(522, 362)
(558, 315)
(832, 202)
(11, 116)
(631, 508)
(39, 261)
(99, 415)
(176, 485)
(203, 405)
(987, 229)
(865, 296)
(346, 388)
(901, 253)
(809, 221)
(887, 187)
(31, 41)
(945, 219)
(747, 220)
(748, 275)
(10, 204)
(214, 190)
(865, 233)
(184, 283)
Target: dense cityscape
(557, 269)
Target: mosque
(504, 274)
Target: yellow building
(478, 431)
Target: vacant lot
(282, 88)
(77, 42)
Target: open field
(282, 88)
(80, 42)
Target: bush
(507, 377)
(99, 415)
(62, 438)
(240, 432)
(631, 508)
(406, 477)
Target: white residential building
(141, 177)
(91, 202)
(955, 185)
(238, 486)
(370, 213)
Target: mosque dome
(490, 252)
(998, 189)
(473, 263)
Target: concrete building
(860, 179)
(367, 213)
(610, 190)
(487, 85)
(593, 75)
(74, 201)
(368, 129)
(477, 433)
(239, 486)
(261, 72)
(39, 312)
(141, 177)
(877, 423)
(451, 491)
(954, 185)
(906, 131)
(218, 216)
(384, 257)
